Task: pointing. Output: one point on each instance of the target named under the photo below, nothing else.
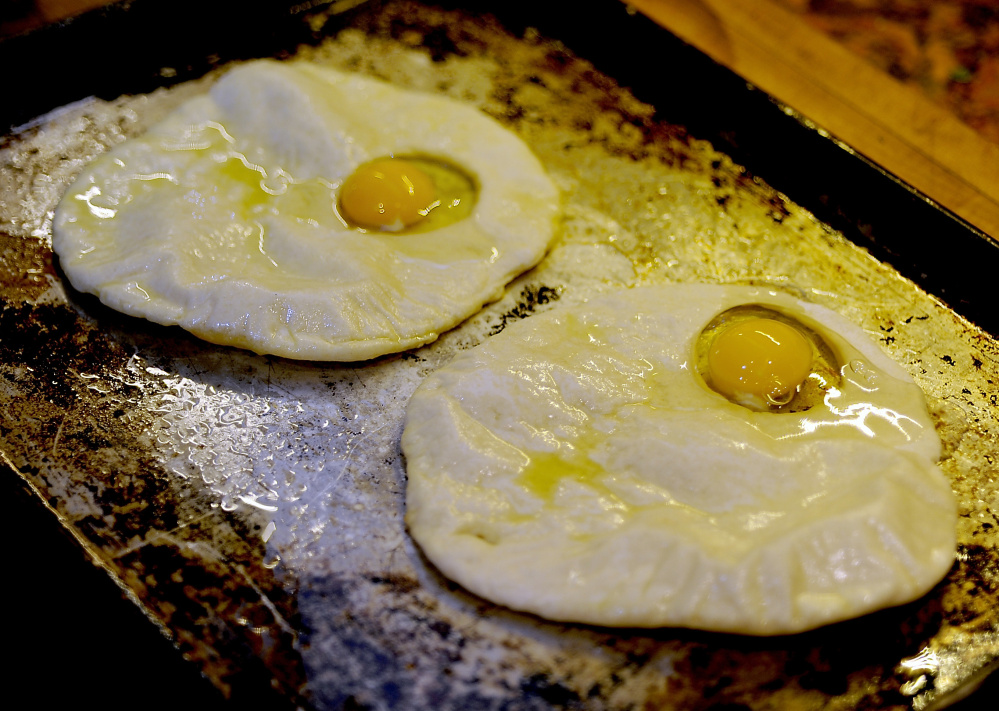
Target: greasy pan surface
(252, 507)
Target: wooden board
(888, 122)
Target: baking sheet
(253, 506)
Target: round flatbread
(222, 218)
(577, 466)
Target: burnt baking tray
(231, 567)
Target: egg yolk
(387, 194)
(759, 359)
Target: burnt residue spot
(947, 359)
(778, 210)
(531, 297)
(433, 30)
(700, 658)
(244, 623)
(558, 61)
(352, 704)
(775, 684)
(442, 628)
(717, 686)
(549, 690)
(886, 699)
(638, 658)
(27, 268)
(976, 568)
(440, 44)
(80, 403)
(48, 339)
(513, 112)
(400, 583)
(832, 683)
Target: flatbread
(221, 219)
(576, 466)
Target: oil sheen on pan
(254, 505)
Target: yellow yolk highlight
(760, 360)
(387, 194)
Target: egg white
(222, 219)
(659, 502)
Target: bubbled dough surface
(186, 247)
(709, 516)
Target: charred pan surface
(254, 506)
(78, 429)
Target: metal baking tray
(202, 609)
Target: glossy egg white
(222, 218)
(576, 466)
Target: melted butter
(254, 190)
(277, 193)
(546, 470)
(579, 329)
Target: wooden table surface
(891, 122)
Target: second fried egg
(601, 464)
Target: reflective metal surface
(253, 507)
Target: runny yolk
(387, 194)
(759, 361)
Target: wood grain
(888, 122)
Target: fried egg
(301, 211)
(725, 458)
